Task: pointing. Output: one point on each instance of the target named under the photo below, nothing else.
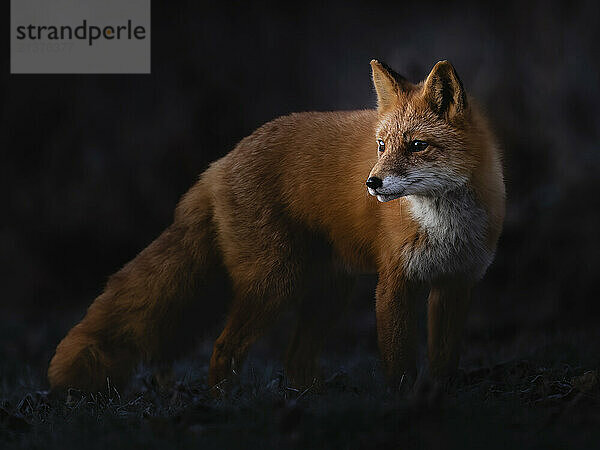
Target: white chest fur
(454, 243)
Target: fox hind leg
(251, 315)
(264, 285)
(319, 308)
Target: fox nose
(374, 182)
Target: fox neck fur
(455, 227)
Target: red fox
(286, 213)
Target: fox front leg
(396, 328)
(448, 306)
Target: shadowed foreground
(532, 390)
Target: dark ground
(93, 166)
(533, 390)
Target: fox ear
(444, 91)
(388, 84)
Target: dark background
(92, 166)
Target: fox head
(422, 135)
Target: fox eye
(380, 146)
(417, 146)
